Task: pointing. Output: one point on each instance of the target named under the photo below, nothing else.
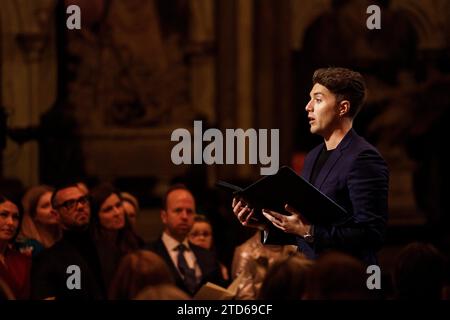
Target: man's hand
(294, 223)
(245, 215)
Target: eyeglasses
(72, 203)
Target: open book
(211, 291)
(286, 187)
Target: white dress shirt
(172, 244)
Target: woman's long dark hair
(20, 209)
(127, 239)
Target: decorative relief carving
(128, 72)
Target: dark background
(100, 103)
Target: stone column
(28, 77)
(226, 71)
(273, 71)
(244, 74)
(202, 79)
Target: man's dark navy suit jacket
(207, 261)
(356, 177)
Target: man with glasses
(70, 269)
(75, 211)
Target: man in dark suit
(345, 167)
(191, 265)
(70, 269)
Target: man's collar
(172, 243)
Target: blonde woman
(41, 224)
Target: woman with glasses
(201, 235)
(111, 229)
(14, 266)
(41, 226)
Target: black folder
(274, 191)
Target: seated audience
(252, 260)
(111, 230)
(136, 271)
(338, 276)
(131, 206)
(14, 266)
(162, 292)
(191, 265)
(74, 258)
(421, 273)
(5, 291)
(286, 279)
(41, 226)
(202, 235)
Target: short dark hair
(420, 272)
(201, 218)
(286, 278)
(60, 187)
(345, 84)
(338, 276)
(178, 186)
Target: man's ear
(343, 108)
(163, 216)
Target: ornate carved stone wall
(28, 77)
(144, 70)
(138, 69)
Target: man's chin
(183, 233)
(79, 226)
(82, 221)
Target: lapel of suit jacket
(308, 166)
(334, 157)
(162, 250)
(199, 259)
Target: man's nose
(9, 220)
(184, 214)
(308, 107)
(80, 205)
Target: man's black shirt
(321, 159)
